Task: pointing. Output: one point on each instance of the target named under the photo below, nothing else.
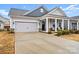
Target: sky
(69, 9)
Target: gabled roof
(37, 12)
(16, 12)
(3, 19)
(56, 11)
(34, 13)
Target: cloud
(68, 12)
(72, 7)
(71, 10)
(3, 12)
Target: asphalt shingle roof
(74, 17)
(16, 12)
(34, 13)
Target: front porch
(54, 24)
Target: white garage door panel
(26, 27)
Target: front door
(43, 25)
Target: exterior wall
(57, 12)
(52, 22)
(13, 20)
(78, 25)
(1, 26)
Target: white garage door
(26, 27)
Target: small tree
(11, 30)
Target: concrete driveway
(42, 43)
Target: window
(74, 26)
(59, 24)
(41, 10)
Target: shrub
(40, 29)
(76, 31)
(49, 31)
(71, 31)
(59, 29)
(11, 30)
(62, 32)
(65, 32)
(1, 30)
(58, 33)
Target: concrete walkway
(42, 43)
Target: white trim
(2, 26)
(26, 17)
(49, 23)
(68, 24)
(26, 20)
(62, 24)
(47, 26)
(11, 23)
(56, 25)
(77, 25)
(52, 10)
(38, 25)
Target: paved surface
(42, 43)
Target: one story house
(3, 22)
(40, 19)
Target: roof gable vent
(41, 10)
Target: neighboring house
(7, 25)
(3, 22)
(40, 19)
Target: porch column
(38, 25)
(77, 25)
(47, 26)
(62, 24)
(55, 25)
(68, 24)
(11, 23)
(49, 23)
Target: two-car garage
(26, 26)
